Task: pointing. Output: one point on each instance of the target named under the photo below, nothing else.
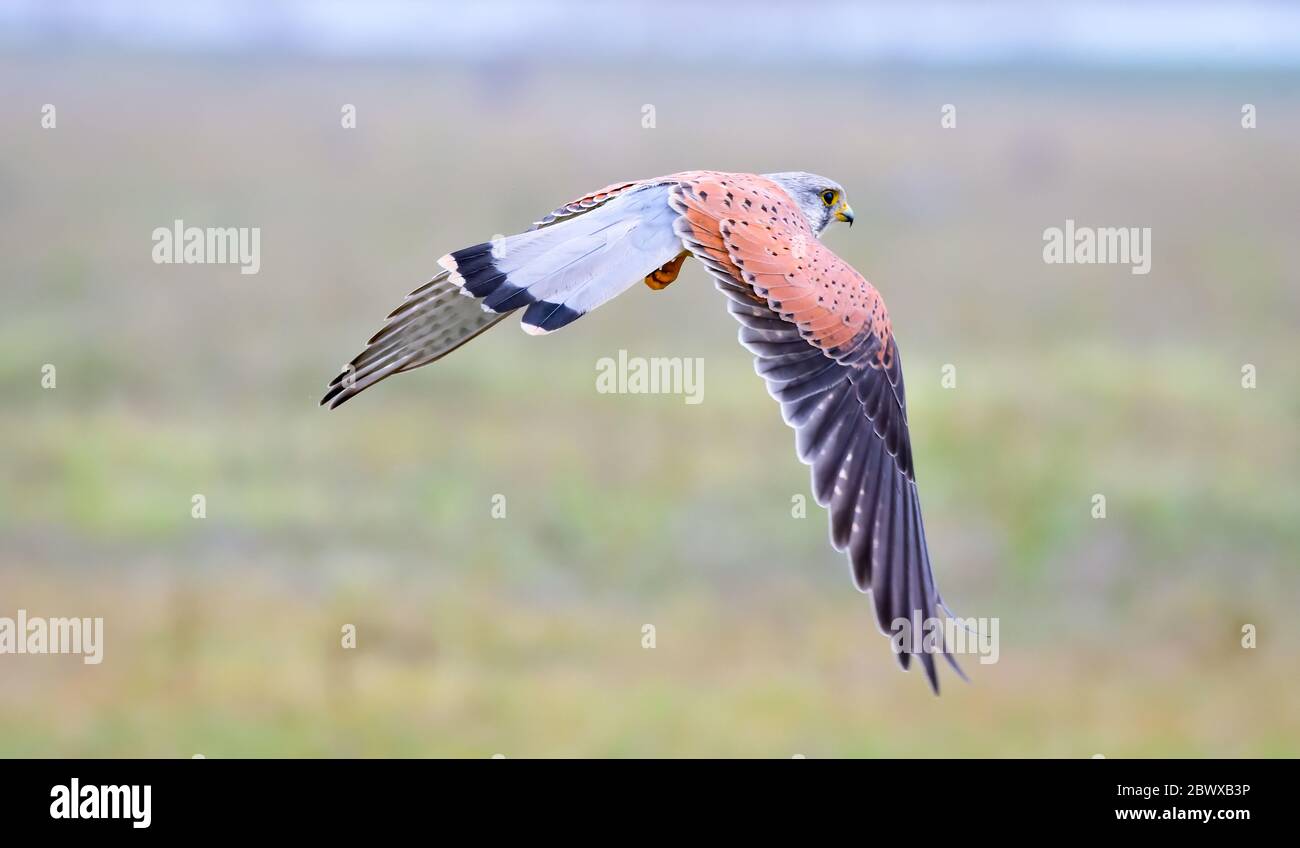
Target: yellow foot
(661, 277)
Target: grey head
(821, 199)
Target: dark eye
(828, 197)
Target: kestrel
(818, 330)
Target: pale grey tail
(561, 272)
(556, 274)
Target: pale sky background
(1237, 34)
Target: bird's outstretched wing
(822, 341)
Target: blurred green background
(522, 636)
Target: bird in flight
(819, 333)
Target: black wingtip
(931, 673)
(339, 393)
(956, 668)
(330, 395)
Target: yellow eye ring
(828, 197)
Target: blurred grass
(522, 635)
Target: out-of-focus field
(522, 635)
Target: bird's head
(820, 199)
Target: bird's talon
(660, 278)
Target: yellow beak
(845, 214)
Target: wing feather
(822, 341)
